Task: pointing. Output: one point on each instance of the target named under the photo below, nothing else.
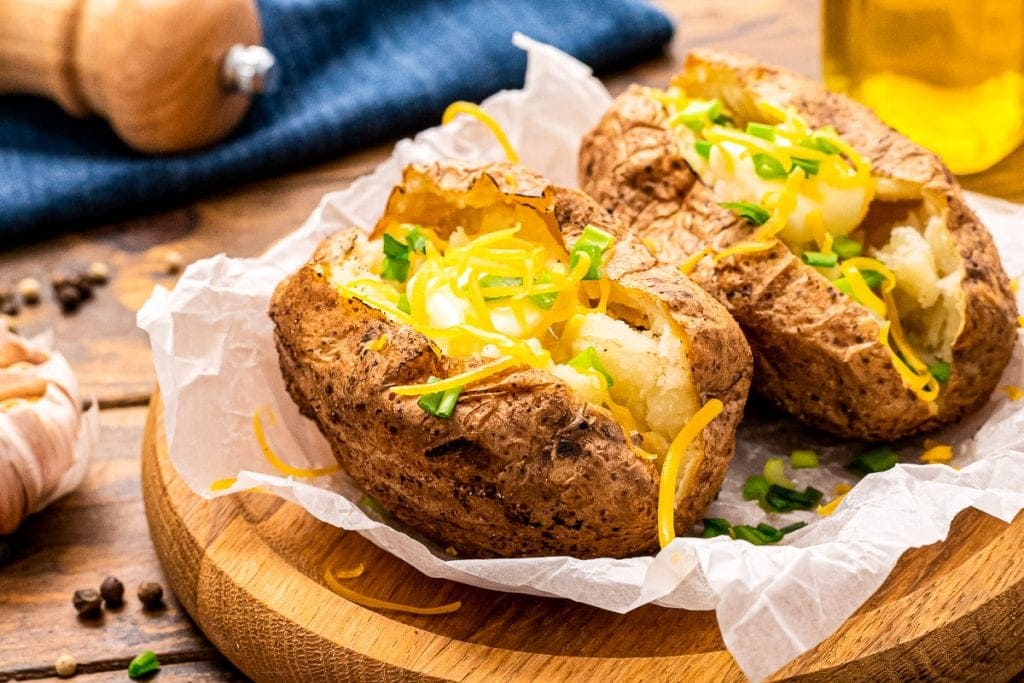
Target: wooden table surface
(100, 529)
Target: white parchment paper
(215, 360)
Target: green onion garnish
(802, 458)
(394, 248)
(403, 304)
(768, 166)
(588, 360)
(755, 487)
(416, 240)
(780, 499)
(820, 144)
(819, 260)
(846, 248)
(441, 404)
(752, 212)
(594, 242)
(143, 664)
(396, 260)
(872, 277)
(775, 473)
(877, 459)
(761, 130)
(703, 148)
(940, 371)
(790, 528)
(698, 113)
(810, 166)
(715, 526)
(499, 281)
(545, 301)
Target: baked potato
(573, 368)
(871, 295)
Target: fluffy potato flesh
(809, 189)
(488, 283)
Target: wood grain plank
(98, 530)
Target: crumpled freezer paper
(216, 363)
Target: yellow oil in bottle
(947, 73)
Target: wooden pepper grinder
(169, 75)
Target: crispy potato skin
(524, 467)
(816, 351)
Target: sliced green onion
(819, 260)
(145, 663)
(872, 277)
(768, 167)
(441, 404)
(594, 242)
(715, 526)
(545, 301)
(395, 269)
(790, 528)
(416, 240)
(499, 281)
(802, 458)
(703, 148)
(588, 360)
(940, 371)
(698, 113)
(810, 166)
(394, 248)
(775, 473)
(755, 487)
(761, 130)
(846, 248)
(820, 144)
(781, 499)
(877, 459)
(403, 303)
(754, 214)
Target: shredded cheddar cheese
(670, 468)
(691, 263)
(223, 484)
(376, 603)
(936, 452)
(474, 110)
(1014, 393)
(278, 464)
(377, 344)
(830, 507)
(462, 379)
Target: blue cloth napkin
(353, 72)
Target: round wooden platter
(248, 569)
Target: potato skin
(816, 351)
(524, 467)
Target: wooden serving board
(248, 569)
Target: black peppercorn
(112, 592)
(87, 603)
(57, 279)
(151, 595)
(68, 297)
(8, 304)
(84, 286)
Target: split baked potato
(506, 372)
(871, 295)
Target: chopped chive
(547, 300)
(394, 248)
(594, 242)
(819, 260)
(872, 277)
(795, 526)
(750, 534)
(780, 499)
(775, 473)
(877, 459)
(416, 240)
(846, 248)
(802, 458)
(441, 404)
(820, 144)
(588, 360)
(715, 526)
(810, 166)
(143, 664)
(698, 113)
(703, 148)
(940, 371)
(754, 214)
(755, 487)
(499, 281)
(403, 303)
(768, 167)
(395, 269)
(761, 130)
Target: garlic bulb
(45, 439)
